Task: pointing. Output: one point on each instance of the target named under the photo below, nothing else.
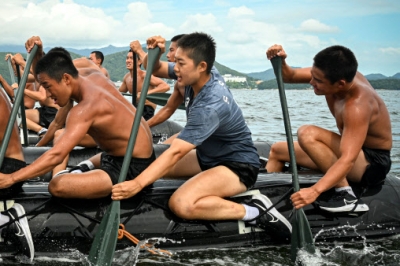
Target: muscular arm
(157, 85)
(289, 74)
(9, 90)
(155, 171)
(160, 68)
(124, 87)
(77, 126)
(39, 95)
(39, 54)
(166, 111)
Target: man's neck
(200, 83)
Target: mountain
(264, 75)
(375, 76)
(396, 76)
(105, 50)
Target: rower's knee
(307, 134)
(181, 207)
(55, 187)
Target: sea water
(263, 114)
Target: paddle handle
(17, 103)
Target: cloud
(199, 22)
(390, 50)
(239, 12)
(72, 25)
(313, 25)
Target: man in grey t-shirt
(214, 148)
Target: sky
(243, 30)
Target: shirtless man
(13, 161)
(56, 127)
(360, 153)
(102, 112)
(157, 85)
(215, 147)
(97, 57)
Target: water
(263, 114)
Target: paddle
(22, 113)
(17, 103)
(134, 80)
(162, 99)
(301, 232)
(105, 241)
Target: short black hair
(99, 55)
(55, 64)
(199, 47)
(177, 37)
(61, 50)
(337, 62)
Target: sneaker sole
(61, 173)
(267, 202)
(348, 208)
(25, 227)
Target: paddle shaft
(301, 231)
(105, 241)
(23, 114)
(10, 68)
(134, 80)
(277, 65)
(162, 99)
(17, 103)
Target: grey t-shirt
(215, 124)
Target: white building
(229, 77)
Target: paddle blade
(103, 246)
(162, 99)
(301, 235)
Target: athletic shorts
(46, 115)
(247, 173)
(148, 112)
(112, 166)
(378, 168)
(9, 166)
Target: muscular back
(111, 117)
(14, 148)
(363, 101)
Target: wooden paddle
(301, 232)
(162, 99)
(105, 241)
(18, 100)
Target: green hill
(115, 64)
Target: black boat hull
(59, 225)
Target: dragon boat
(61, 225)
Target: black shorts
(378, 168)
(46, 115)
(247, 173)
(112, 166)
(148, 112)
(9, 166)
